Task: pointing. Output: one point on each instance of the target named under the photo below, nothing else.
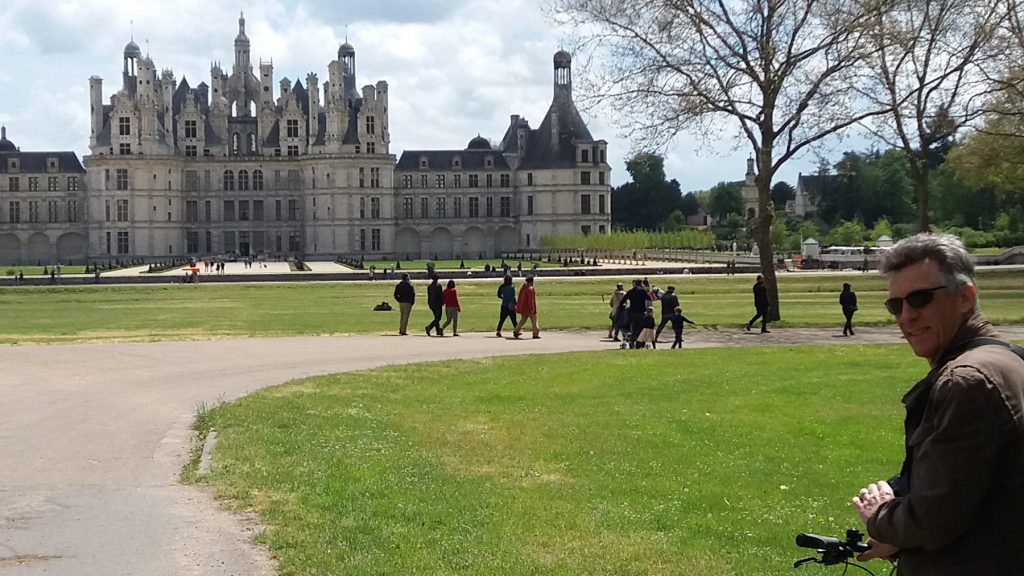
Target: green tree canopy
(725, 198)
(647, 201)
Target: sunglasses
(917, 299)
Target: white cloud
(455, 68)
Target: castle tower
(129, 77)
(95, 108)
(563, 75)
(347, 57)
(242, 63)
(313, 93)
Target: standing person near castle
(435, 301)
(451, 308)
(507, 295)
(669, 303)
(527, 308)
(848, 302)
(760, 305)
(614, 302)
(405, 295)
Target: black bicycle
(833, 551)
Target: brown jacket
(964, 513)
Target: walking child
(677, 326)
(647, 331)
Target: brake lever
(812, 559)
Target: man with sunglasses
(957, 506)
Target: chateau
(242, 166)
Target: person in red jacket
(451, 309)
(526, 306)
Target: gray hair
(947, 251)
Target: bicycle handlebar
(832, 550)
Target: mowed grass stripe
(697, 462)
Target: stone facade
(239, 166)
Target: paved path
(92, 438)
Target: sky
(455, 68)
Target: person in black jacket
(669, 303)
(848, 301)
(435, 300)
(760, 305)
(405, 295)
(638, 299)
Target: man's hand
(869, 499)
(878, 550)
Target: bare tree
(778, 71)
(938, 65)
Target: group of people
(446, 300)
(632, 312)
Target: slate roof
(545, 151)
(35, 162)
(472, 160)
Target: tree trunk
(921, 193)
(763, 233)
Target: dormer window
(489, 162)
(12, 164)
(584, 155)
(456, 162)
(423, 162)
(52, 164)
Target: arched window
(236, 143)
(257, 179)
(252, 143)
(229, 180)
(243, 180)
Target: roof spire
(131, 23)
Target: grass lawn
(698, 462)
(177, 311)
(38, 270)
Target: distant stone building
(241, 166)
(42, 205)
(809, 188)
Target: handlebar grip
(816, 542)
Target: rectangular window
(584, 155)
(293, 150)
(208, 209)
(424, 207)
(375, 239)
(124, 149)
(585, 230)
(529, 178)
(371, 147)
(490, 207)
(191, 130)
(423, 180)
(122, 242)
(474, 207)
(457, 180)
(72, 210)
(292, 129)
(457, 207)
(257, 179)
(375, 208)
(52, 213)
(229, 242)
(124, 126)
(14, 212)
(506, 180)
(243, 210)
(474, 180)
(602, 207)
(362, 208)
(257, 210)
(191, 151)
(362, 177)
(191, 181)
(601, 229)
(122, 210)
(73, 183)
(529, 205)
(191, 210)
(108, 242)
(13, 183)
(585, 177)
(293, 209)
(585, 204)
(33, 183)
(371, 127)
(229, 211)
(490, 180)
(53, 183)
(440, 208)
(407, 181)
(192, 241)
(374, 177)
(277, 212)
(407, 207)
(33, 211)
(121, 179)
(294, 241)
(505, 207)
(439, 180)
(362, 239)
(601, 152)
(209, 241)
(106, 210)
(294, 180)
(600, 177)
